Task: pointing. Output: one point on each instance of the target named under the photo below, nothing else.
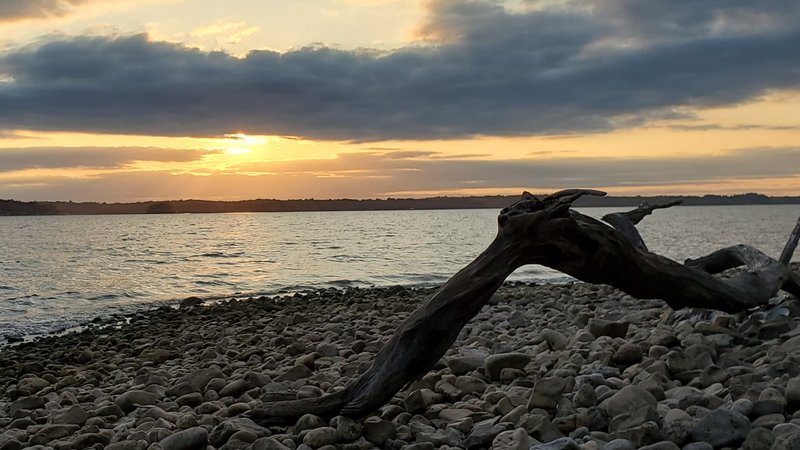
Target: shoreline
(569, 363)
(195, 206)
(120, 316)
(120, 313)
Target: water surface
(59, 271)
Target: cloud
(14, 159)
(369, 2)
(381, 174)
(11, 10)
(738, 127)
(14, 135)
(417, 172)
(658, 19)
(568, 68)
(228, 32)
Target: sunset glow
(370, 99)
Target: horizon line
(609, 196)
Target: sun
(237, 150)
(241, 143)
(246, 139)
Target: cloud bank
(489, 70)
(402, 173)
(425, 171)
(14, 159)
(11, 10)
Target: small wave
(213, 283)
(347, 283)
(24, 299)
(222, 255)
(104, 297)
(413, 278)
(345, 258)
(147, 261)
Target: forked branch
(625, 222)
(791, 245)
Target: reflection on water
(60, 270)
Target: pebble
(547, 393)
(618, 444)
(793, 393)
(482, 434)
(308, 422)
(585, 397)
(546, 367)
(420, 399)
(769, 420)
(615, 329)
(320, 437)
(698, 446)
(759, 439)
(511, 440)
(72, 415)
(347, 428)
(663, 445)
(556, 340)
(268, 444)
(130, 400)
(721, 428)
(564, 443)
(628, 400)
(225, 430)
(190, 439)
(200, 378)
(628, 353)
(494, 364)
(378, 431)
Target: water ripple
(58, 271)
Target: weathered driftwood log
(546, 231)
(625, 222)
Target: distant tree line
(12, 207)
(16, 208)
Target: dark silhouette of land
(18, 208)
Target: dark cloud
(659, 19)
(739, 127)
(13, 135)
(492, 72)
(420, 173)
(550, 152)
(13, 159)
(25, 9)
(376, 174)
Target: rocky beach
(547, 367)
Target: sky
(131, 100)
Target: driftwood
(625, 222)
(546, 231)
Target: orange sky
(655, 137)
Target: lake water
(60, 271)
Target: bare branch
(625, 222)
(791, 245)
